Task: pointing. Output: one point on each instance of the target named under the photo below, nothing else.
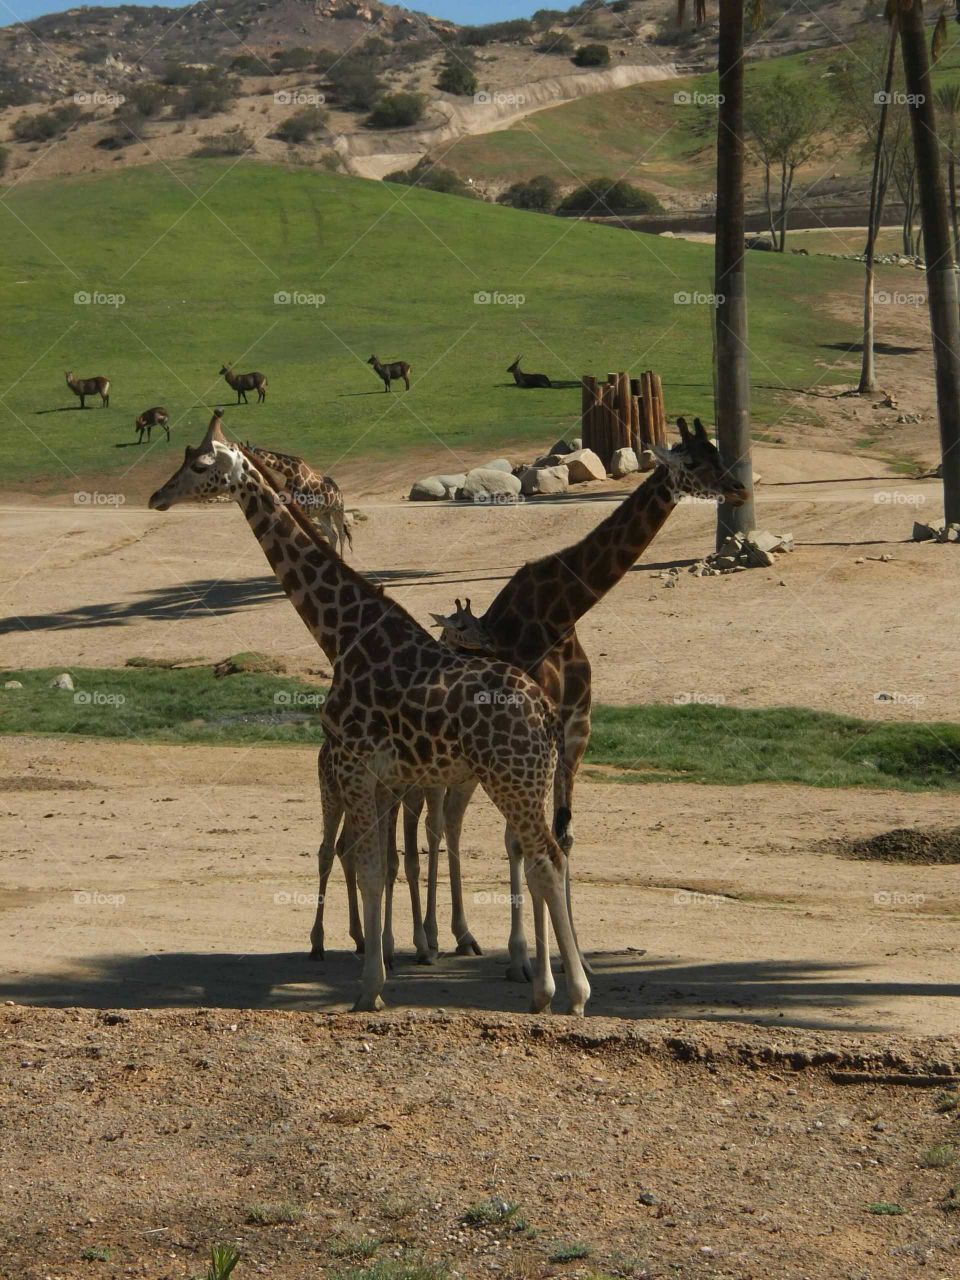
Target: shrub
(303, 124)
(93, 54)
(208, 95)
(355, 85)
(295, 59)
(46, 124)
(547, 17)
(556, 42)
(609, 195)
(457, 77)
(4, 159)
(494, 32)
(540, 194)
(145, 100)
(397, 111)
(432, 178)
(233, 142)
(247, 64)
(621, 6)
(592, 55)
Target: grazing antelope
(150, 418)
(84, 387)
(528, 379)
(391, 372)
(244, 382)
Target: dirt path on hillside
(830, 626)
(141, 876)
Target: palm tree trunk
(733, 370)
(938, 241)
(868, 372)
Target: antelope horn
(684, 433)
(700, 429)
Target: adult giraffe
(403, 710)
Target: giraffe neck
(545, 599)
(344, 613)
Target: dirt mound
(909, 844)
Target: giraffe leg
(519, 968)
(353, 903)
(434, 829)
(392, 867)
(543, 861)
(455, 806)
(412, 806)
(332, 807)
(368, 852)
(544, 986)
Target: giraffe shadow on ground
(817, 995)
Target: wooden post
(588, 401)
(635, 414)
(661, 412)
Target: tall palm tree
(947, 103)
(938, 241)
(868, 375)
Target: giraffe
(531, 623)
(319, 496)
(402, 710)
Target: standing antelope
(84, 387)
(150, 418)
(528, 379)
(244, 382)
(391, 372)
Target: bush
(249, 65)
(397, 111)
(46, 124)
(432, 178)
(556, 42)
(208, 95)
(234, 142)
(540, 194)
(592, 55)
(146, 100)
(302, 125)
(621, 6)
(355, 85)
(497, 32)
(93, 54)
(547, 17)
(609, 196)
(457, 77)
(295, 59)
(4, 159)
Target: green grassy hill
(199, 254)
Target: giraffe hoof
(426, 957)
(366, 1004)
(317, 953)
(468, 946)
(542, 1005)
(522, 971)
(360, 948)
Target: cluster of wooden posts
(622, 413)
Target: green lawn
(199, 254)
(642, 744)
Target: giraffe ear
(700, 429)
(441, 621)
(684, 432)
(664, 455)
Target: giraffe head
(209, 473)
(463, 630)
(694, 467)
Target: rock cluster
(753, 550)
(935, 532)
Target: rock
(13, 684)
(725, 562)
(551, 460)
(732, 545)
(564, 446)
(648, 460)
(756, 478)
(433, 488)
(498, 464)
(545, 480)
(923, 532)
(950, 534)
(623, 463)
(756, 557)
(575, 444)
(763, 540)
(484, 484)
(62, 681)
(583, 465)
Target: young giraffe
(319, 496)
(532, 624)
(402, 710)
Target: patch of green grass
(940, 1156)
(414, 1267)
(223, 1259)
(274, 1215)
(354, 1249)
(948, 1100)
(493, 1213)
(570, 1251)
(883, 1208)
(96, 1253)
(143, 233)
(647, 743)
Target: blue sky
(469, 11)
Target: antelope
(391, 372)
(244, 382)
(84, 387)
(528, 379)
(150, 418)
